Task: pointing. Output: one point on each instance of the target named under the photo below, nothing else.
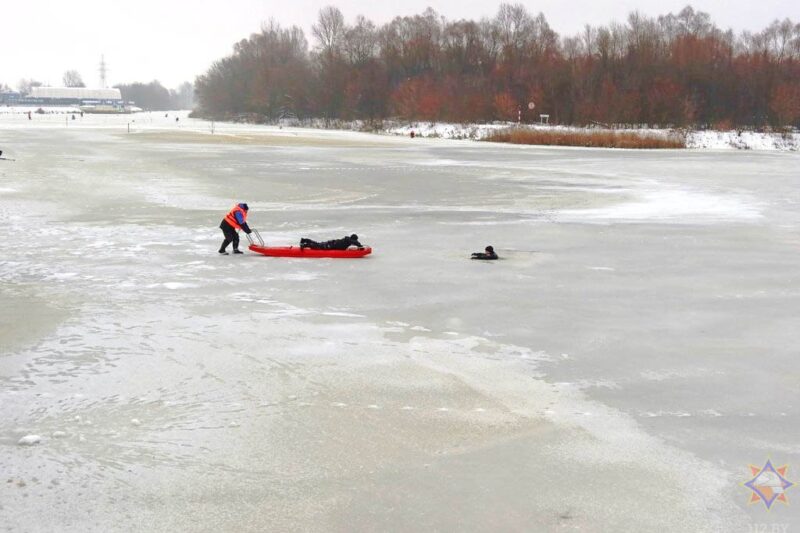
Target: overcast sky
(175, 40)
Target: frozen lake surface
(633, 352)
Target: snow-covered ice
(623, 364)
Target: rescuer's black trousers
(231, 236)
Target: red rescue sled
(296, 251)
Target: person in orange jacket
(235, 220)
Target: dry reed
(588, 138)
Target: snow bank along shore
(695, 139)
(707, 139)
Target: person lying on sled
(336, 244)
(487, 254)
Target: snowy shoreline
(740, 139)
(695, 139)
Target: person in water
(336, 244)
(487, 254)
(235, 220)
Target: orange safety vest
(230, 218)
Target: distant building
(88, 100)
(76, 95)
(9, 98)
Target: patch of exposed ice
(300, 276)
(663, 375)
(597, 384)
(63, 275)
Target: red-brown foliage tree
(675, 69)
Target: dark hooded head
(489, 250)
(353, 237)
(244, 206)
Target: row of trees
(678, 69)
(154, 96)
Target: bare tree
(514, 24)
(72, 78)
(361, 41)
(589, 38)
(329, 30)
(25, 85)
(185, 96)
(780, 36)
